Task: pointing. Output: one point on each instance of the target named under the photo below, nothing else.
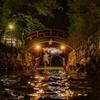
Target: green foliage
(26, 14)
(84, 18)
(45, 7)
(24, 21)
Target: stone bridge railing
(45, 32)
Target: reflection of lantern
(50, 42)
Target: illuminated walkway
(50, 68)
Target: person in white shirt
(46, 59)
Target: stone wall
(87, 53)
(9, 59)
(72, 58)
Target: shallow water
(48, 85)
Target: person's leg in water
(45, 65)
(48, 62)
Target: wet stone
(50, 85)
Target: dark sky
(60, 20)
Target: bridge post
(37, 34)
(30, 38)
(50, 31)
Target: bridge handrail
(45, 32)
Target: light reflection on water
(43, 85)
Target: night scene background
(77, 18)
(67, 30)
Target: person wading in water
(46, 59)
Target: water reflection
(42, 85)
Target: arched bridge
(46, 38)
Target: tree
(84, 18)
(27, 14)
